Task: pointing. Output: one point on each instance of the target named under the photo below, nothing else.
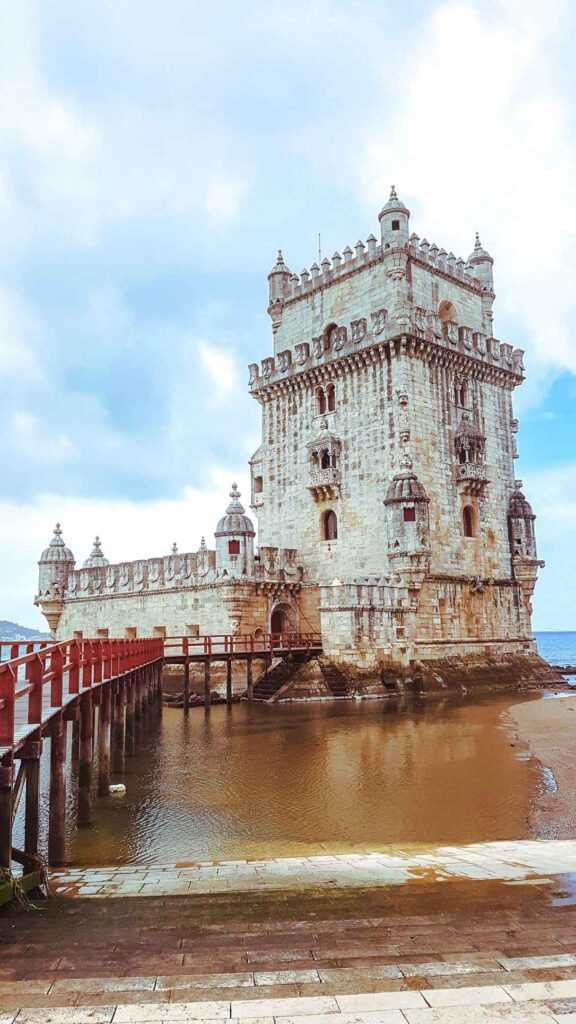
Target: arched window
(257, 485)
(329, 525)
(331, 397)
(468, 521)
(325, 459)
(409, 514)
(320, 401)
(233, 547)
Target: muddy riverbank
(548, 727)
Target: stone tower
(55, 565)
(387, 449)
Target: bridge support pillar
(131, 716)
(207, 683)
(57, 802)
(75, 752)
(158, 694)
(85, 764)
(6, 777)
(104, 740)
(30, 755)
(229, 682)
(118, 727)
(249, 680)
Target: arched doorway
(281, 620)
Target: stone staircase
(280, 673)
(337, 682)
(164, 960)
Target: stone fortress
(389, 518)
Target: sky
(153, 157)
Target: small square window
(233, 547)
(395, 225)
(409, 515)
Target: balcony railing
(324, 477)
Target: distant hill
(13, 631)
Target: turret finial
(393, 193)
(57, 530)
(174, 548)
(234, 493)
(477, 242)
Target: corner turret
(235, 540)
(55, 565)
(394, 220)
(483, 264)
(279, 279)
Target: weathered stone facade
(384, 487)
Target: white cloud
(481, 138)
(128, 530)
(222, 370)
(224, 195)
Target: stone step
(522, 1003)
(435, 976)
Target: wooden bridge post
(131, 715)
(104, 739)
(6, 777)
(229, 682)
(85, 764)
(158, 694)
(207, 683)
(249, 680)
(57, 803)
(30, 755)
(187, 685)
(75, 753)
(118, 727)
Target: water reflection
(258, 781)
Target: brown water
(261, 781)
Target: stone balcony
(324, 483)
(471, 477)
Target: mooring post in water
(85, 763)
(249, 681)
(131, 715)
(30, 755)
(6, 777)
(229, 681)
(57, 803)
(207, 683)
(118, 727)
(104, 739)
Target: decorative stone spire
(203, 544)
(174, 548)
(96, 556)
(57, 550)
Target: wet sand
(548, 727)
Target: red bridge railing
(246, 643)
(37, 684)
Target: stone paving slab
(522, 861)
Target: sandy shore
(548, 727)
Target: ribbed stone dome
(394, 204)
(519, 507)
(405, 487)
(235, 521)
(96, 556)
(57, 550)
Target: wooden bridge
(228, 648)
(44, 686)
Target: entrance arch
(281, 620)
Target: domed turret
(394, 220)
(96, 556)
(279, 279)
(56, 563)
(521, 525)
(235, 539)
(482, 263)
(407, 504)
